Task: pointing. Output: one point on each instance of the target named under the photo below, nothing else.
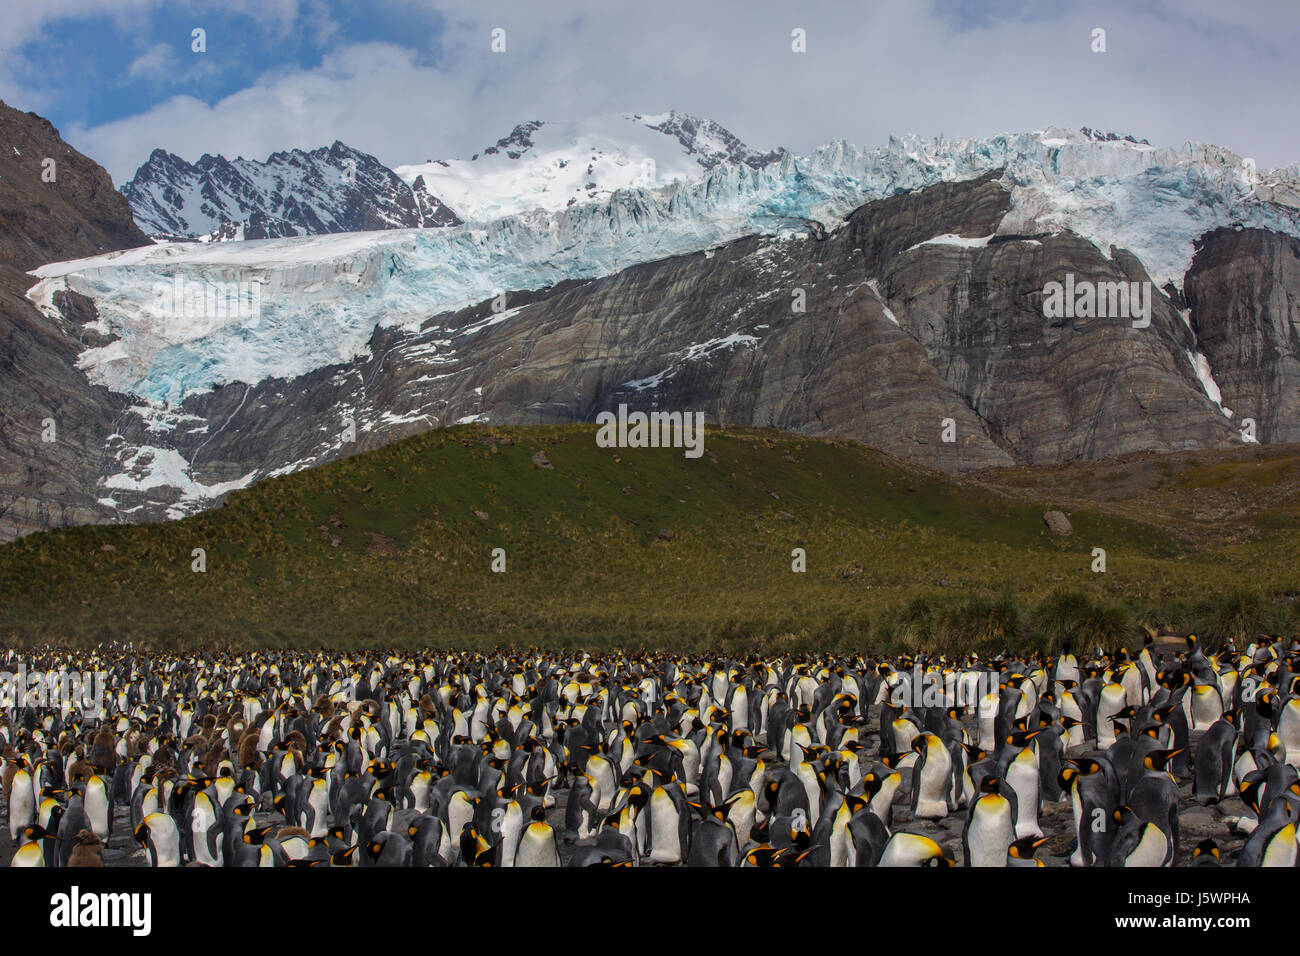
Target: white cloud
(1194, 71)
(155, 63)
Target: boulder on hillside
(1057, 523)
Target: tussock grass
(393, 548)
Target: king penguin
(537, 846)
(159, 836)
(990, 826)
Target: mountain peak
(335, 188)
(550, 165)
(709, 142)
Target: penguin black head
(1159, 759)
(1207, 851)
(1021, 738)
(763, 856)
(1249, 792)
(1025, 847)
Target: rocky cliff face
(48, 212)
(1244, 294)
(918, 325)
(54, 202)
(914, 328)
(294, 193)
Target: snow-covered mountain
(539, 165)
(294, 193)
(556, 165)
(321, 297)
(923, 260)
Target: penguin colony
(548, 759)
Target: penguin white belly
(1288, 731)
(741, 816)
(512, 828)
(854, 768)
(665, 839)
(537, 846)
(726, 773)
(22, 805)
(935, 784)
(1113, 700)
(318, 801)
(884, 798)
(1076, 808)
(1134, 690)
(459, 813)
(1281, 850)
(1207, 707)
(1022, 775)
(812, 788)
(1151, 849)
(165, 839)
(990, 833)
(202, 823)
(840, 837)
(904, 733)
(988, 712)
(97, 810)
(29, 854)
(1070, 708)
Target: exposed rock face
(78, 214)
(916, 328)
(1242, 289)
(1058, 523)
(294, 193)
(912, 325)
(710, 143)
(50, 483)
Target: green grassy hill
(646, 547)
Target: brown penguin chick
(294, 740)
(135, 741)
(249, 755)
(80, 770)
(165, 756)
(235, 727)
(11, 769)
(211, 762)
(325, 707)
(287, 830)
(89, 850)
(103, 750)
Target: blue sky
(410, 81)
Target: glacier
(322, 296)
